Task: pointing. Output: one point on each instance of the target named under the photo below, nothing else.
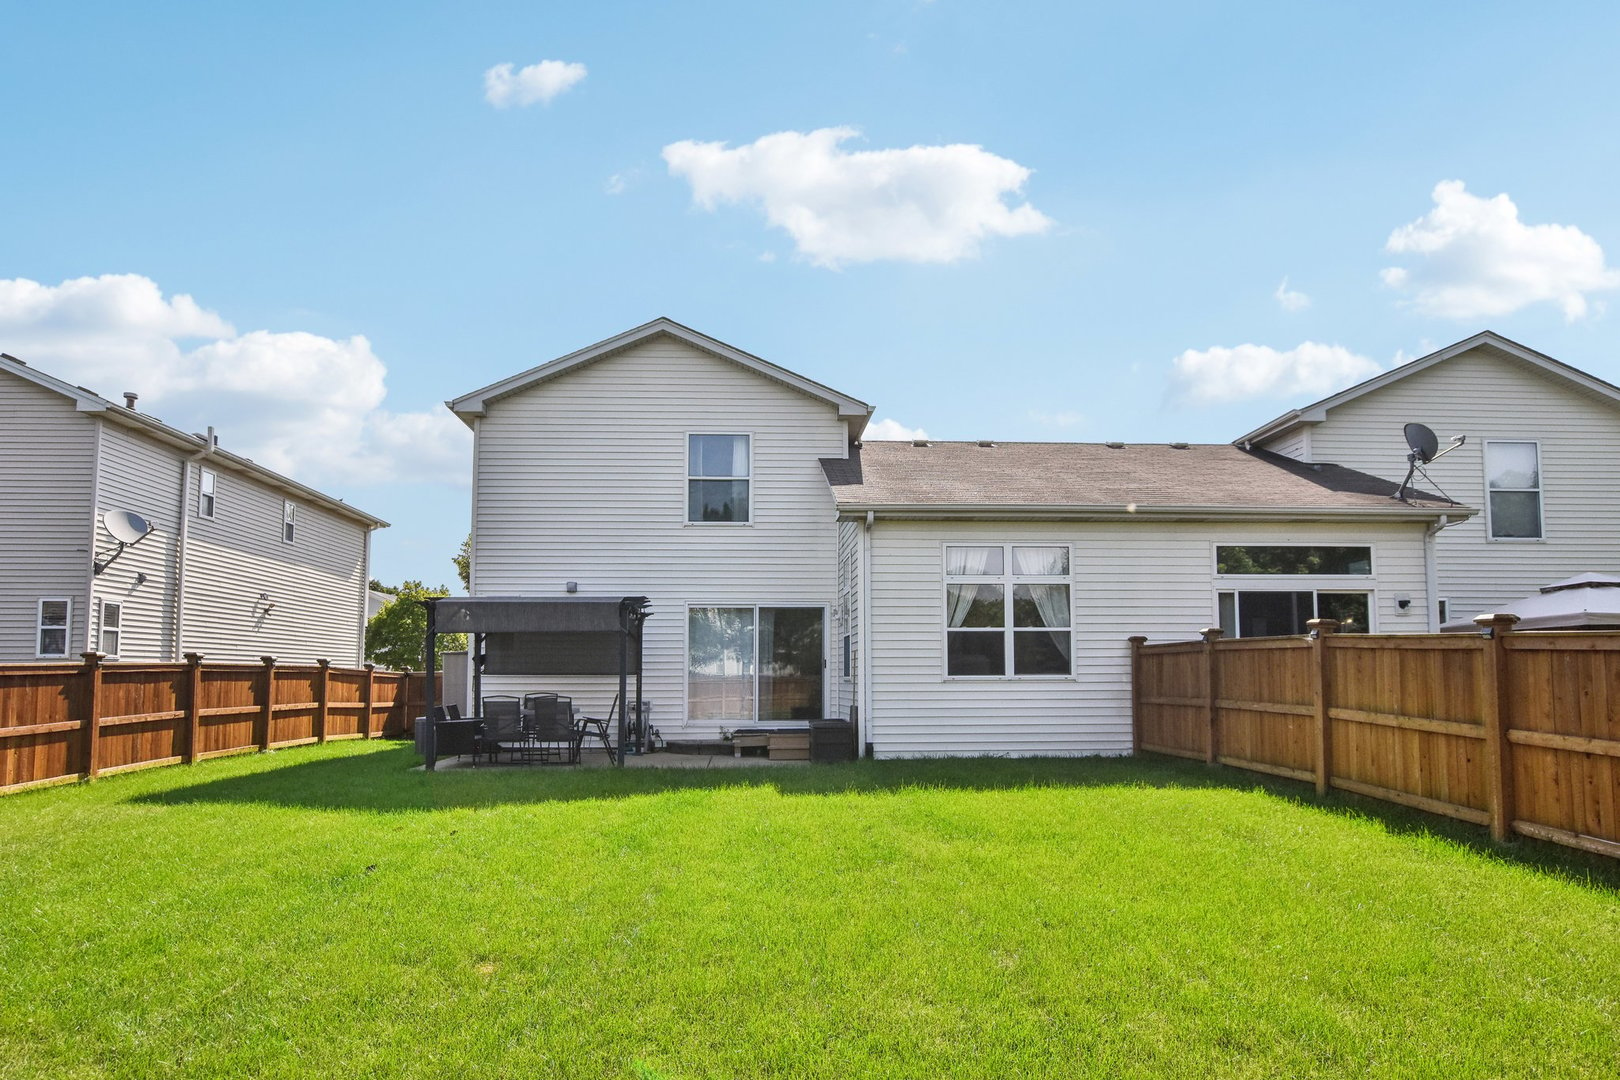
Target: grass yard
(324, 912)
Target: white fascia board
(1317, 412)
(981, 512)
(474, 404)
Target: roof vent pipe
(1115, 445)
(986, 442)
(919, 442)
(130, 398)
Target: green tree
(396, 637)
(463, 561)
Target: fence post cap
(193, 657)
(1137, 639)
(93, 658)
(1212, 634)
(1496, 622)
(1322, 627)
(371, 667)
(324, 663)
(268, 661)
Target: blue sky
(364, 233)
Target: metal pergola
(525, 635)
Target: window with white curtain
(1007, 610)
(718, 470)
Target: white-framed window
(1513, 489)
(1443, 606)
(1284, 612)
(289, 522)
(719, 470)
(55, 613)
(1007, 611)
(1294, 560)
(112, 628)
(206, 481)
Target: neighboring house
(953, 598)
(1543, 440)
(242, 562)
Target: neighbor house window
(112, 627)
(289, 522)
(1444, 606)
(1007, 610)
(205, 494)
(1513, 487)
(1278, 613)
(53, 627)
(717, 478)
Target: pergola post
(624, 678)
(430, 692)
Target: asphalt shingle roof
(1094, 474)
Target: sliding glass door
(748, 664)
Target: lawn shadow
(387, 782)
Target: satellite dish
(126, 526)
(1422, 441)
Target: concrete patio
(598, 759)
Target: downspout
(863, 731)
(1431, 575)
(365, 593)
(180, 546)
(90, 580)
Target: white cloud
(889, 430)
(299, 403)
(1291, 299)
(1208, 376)
(537, 83)
(1478, 258)
(932, 204)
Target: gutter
(1132, 512)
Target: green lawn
(324, 912)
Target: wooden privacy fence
(70, 721)
(1516, 731)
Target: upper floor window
(205, 494)
(289, 522)
(112, 627)
(53, 627)
(1513, 490)
(717, 478)
(1007, 610)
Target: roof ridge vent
(919, 442)
(1114, 445)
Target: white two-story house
(951, 598)
(240, 562)
(1541, 461)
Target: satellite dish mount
(126, 527)
(1422, 447)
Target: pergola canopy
(1583, 602)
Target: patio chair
(454, 736)
(502, 723)
(600, 726)
(552, 726)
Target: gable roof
(88, 401)
(1317, 411)
(1095, 480)
(473, 404)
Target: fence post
(323, 687)
(1211, 635)
(1497, 707)
(402, 701)
(369, 696)
(92, 712)
(1136, 692)
(268, 701)
(193, 704)
(1321, 630)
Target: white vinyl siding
(1489, 396)
(583, 478)
(1295, 444)
(47, 468)
(140, 474)
(1151, 578)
